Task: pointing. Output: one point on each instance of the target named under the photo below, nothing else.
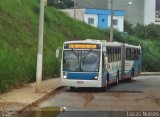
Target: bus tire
(104, 89)
(139, 70)
(108, 81)
(72, 88)
(132, 75)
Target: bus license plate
(80, 82)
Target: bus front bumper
(81, 83)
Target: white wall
(79, 13)
(158, 17)
(149, 11)
(140, 11)
(120, 25)
(94, 16)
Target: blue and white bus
(97, 63)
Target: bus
(97, 63)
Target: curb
(149, 73)
(39, 99)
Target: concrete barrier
(149, 73)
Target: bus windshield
(81, 60)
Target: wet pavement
(140, 95)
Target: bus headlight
(65, 76)
(96, 77)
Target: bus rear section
(131, 62)
(80, 65)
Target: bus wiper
(74, 53)
(87, 55)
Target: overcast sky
(158, 5)
(102, 4)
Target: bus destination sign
(81, 46)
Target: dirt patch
(121, 91)
(156, 100)
(88, 98)
(115, 94)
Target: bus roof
(132, 46)
(102, 42)
(87, 41)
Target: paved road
(142, 94)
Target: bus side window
(112, 54)
(108, 53)
(119, 53)
(139, 52)
(128, 54)
(103, 62)
(115, 53)
(117, 49)
(132, 53)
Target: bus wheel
(72, 88)
(139, 70)
(104, 89)
(132, 75)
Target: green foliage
(61, 3)
(147, 32)
(149, 39)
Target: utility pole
(74, 9)
(128, 5)
(111, 25)
(40, 48)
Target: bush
(145, 32)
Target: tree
(61, 4)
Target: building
(101, 18)
(95, 4)
(79, 13)
(139, 11)
(157, 12)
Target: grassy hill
(19, 38)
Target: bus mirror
(57, 52)
(104, 49)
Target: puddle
(156, 100)
(44, 112)
(122, 91)
(11, 106)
